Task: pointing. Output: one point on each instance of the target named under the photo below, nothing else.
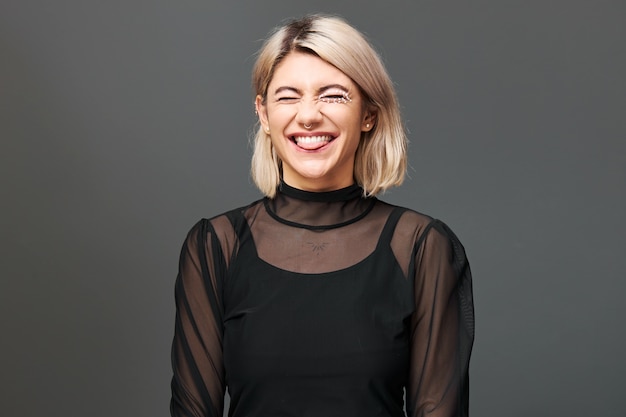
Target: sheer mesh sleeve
(198, 370)
(442, 326)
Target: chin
(311, 172)
(315, 175)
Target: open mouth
(311, 142)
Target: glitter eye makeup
(335, 96)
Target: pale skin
(315, 116)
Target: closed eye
(335, 96)
(287, 99)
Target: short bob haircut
(380, 161)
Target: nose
(308, 113)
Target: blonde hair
(380, 160)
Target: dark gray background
(123, 122)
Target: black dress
(322, 304)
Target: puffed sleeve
(198, 371)
(442, 326)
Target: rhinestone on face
(335, 97)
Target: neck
(319, 187)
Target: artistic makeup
(317, 120)
(335, 95)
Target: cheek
(280, 114)
(279, 143)
(353, 117)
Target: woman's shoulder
(416, 225)
(221, 231)
(237, 215)
(429, 235)
(226, 222)
(407, 218)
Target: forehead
(303, 70)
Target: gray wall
(123, 122)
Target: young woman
(320, 299)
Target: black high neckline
(343, 194)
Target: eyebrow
(319, 90)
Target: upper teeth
(311, 139)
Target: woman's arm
(198, 381)
(442, 326)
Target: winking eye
(335, 96)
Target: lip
(312, 133)
(312, 146)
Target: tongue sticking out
(312, 143)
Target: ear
(369, 119)
(261, 111)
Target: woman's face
(315, 115)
